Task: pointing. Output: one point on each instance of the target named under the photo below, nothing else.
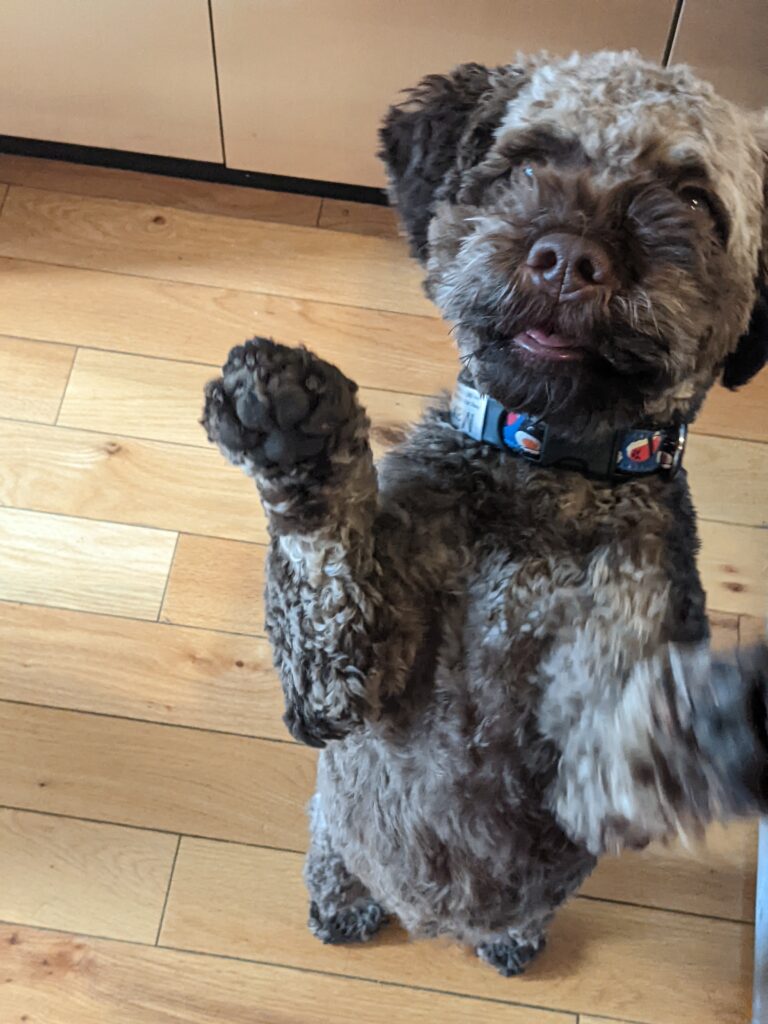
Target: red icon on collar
(644, 449)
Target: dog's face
(593, 228)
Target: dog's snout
(570, 267)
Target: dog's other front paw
(358, 922)
(730, 724)
(510, 956)
(276, 407)
(754, 666)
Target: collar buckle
(672, 451)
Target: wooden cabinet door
(122, 74)
(304, 83)
(727, 43)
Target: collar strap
(626, 453)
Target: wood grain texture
(716, 878)
(621, 961)
(77, 563)
(92, 982)
(733, 563)
(586, 1019)
(162, 400)
(126, 480)
(83, 876)
(724, 631)
(139, 397)
(160, 190)
(33, 376)
(139, 670)
(131, 773)
(736, 413)
(752, 630)
(144, 483)
(216, 584)
(201, 323)
(719, 469)
(169, 244)
(359, 218)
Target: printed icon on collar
(522, 435)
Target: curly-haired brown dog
(498, 636)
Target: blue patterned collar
(627, 453)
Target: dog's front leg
(678, 743)
(294, 424)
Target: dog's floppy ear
(444, 126)
(751, 353)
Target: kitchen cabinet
(304, 84)
(727, 43)
(122, 74)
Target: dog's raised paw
(277, 405)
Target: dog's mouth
(557, 347)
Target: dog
(498, 636)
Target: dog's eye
(527, 168)
(698, 200)
(703, 202)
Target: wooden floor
(152, 822)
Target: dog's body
(508, 664)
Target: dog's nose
(570, 267)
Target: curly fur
(507, 667)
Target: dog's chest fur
(538, 590)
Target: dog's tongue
(551, 340)
(549, 346)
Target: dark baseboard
(201, 170)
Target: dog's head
(595, 229)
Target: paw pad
(279, 406)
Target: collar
(626, 453)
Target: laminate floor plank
(88, 981)
(162, 400)
(359, 218)
(125, 480)
(141, 316)
(33, 376)
(159, 189)
(165, 243)
(153, 776)
(82, 876)
(142, 670)
(83, 564)
(216, 584)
